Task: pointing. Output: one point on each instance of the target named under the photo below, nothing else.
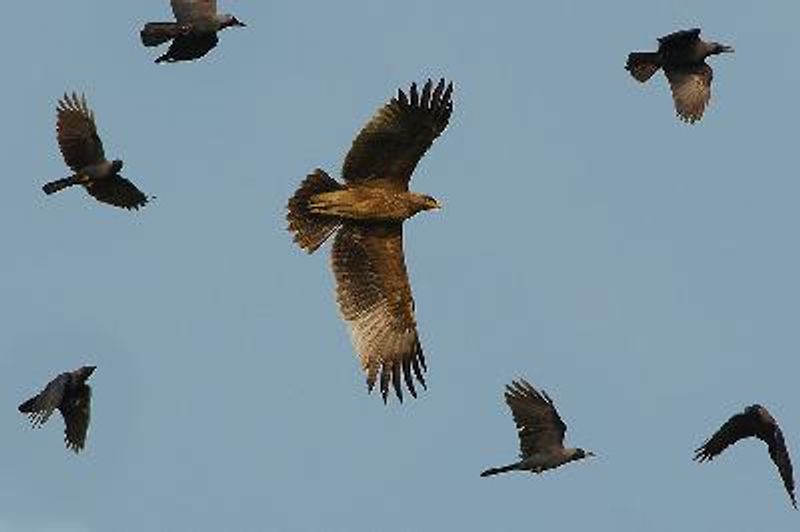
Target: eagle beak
(727, 49)
(590, 453)
(438, 206)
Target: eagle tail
(642, 65)
(60, 184)
(157, 33)
(497, 470)
(311, 230)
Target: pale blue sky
(642, 271)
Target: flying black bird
(682, 55)
(194, 33)
(540, 430)
(70, 394)
(83, 152)
(367, 214)
(754, 421)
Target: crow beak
(240, 23)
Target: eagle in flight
(367, 213)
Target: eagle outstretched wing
(389, 147)
(77, 133)
(539, 426)
(375, 299)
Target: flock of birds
(365, 216)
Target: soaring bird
(754, 421)
(194, 32)
(540, 430)
(70, 394)
(682, 55)
(83, 152)
(367, 214)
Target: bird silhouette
(367, 215)
(682, 55)
(194, 32)
(755, 421)
(540, 429)
(70, 394)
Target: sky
(640, 270)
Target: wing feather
(77, 133)
(374, 297)
(190, 46)
(40, 407)
(738, 427)
(691, 90)
(189, 11)
(780, 457)
(117, 191)
(539, 426)
(395, 139)
(76, 411)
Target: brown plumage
(754, 421)
(83, 152)
(70, 394)
(367, 214)
(682, 55)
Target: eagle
(755, 421)
(540, 429)
(70, 394)
(682, 55)
(366, 214)
(83, 152)
(194, 32)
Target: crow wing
(77, 133)
(680, 38)
(190, 46)
(189, 11)
(40, 407)
(738, 427)
(389, 147)
(780, 457)
(539, 426)
(691, 90)
(117, 191)
(375, 299)
(76, 410)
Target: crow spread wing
(736, 428)
(77, 133)
(117, 191)
(680, 38)
(41, 407)
(375, 299)
(389, 147)
(189, 46)
(76, 410)
(188, 11)
(780, 457)
(691, 90)
(539, 426)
